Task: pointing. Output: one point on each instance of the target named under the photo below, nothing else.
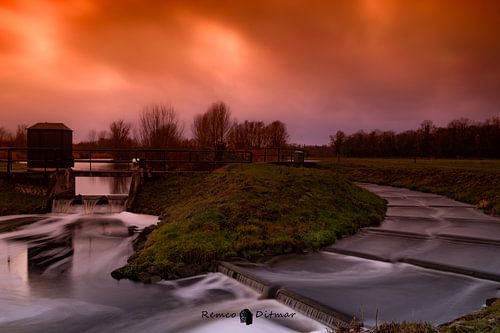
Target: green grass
(473, 181)
(247, 211)
(487, 320)
(20, 198)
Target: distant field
(471, 165)
(15, 166)
(472, 181)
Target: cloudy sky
(318, 66)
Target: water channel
(55, 277)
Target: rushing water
(55, 277)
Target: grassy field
(20, 198)
(14, 166)
(247, 211)
(486, 320)
(472, 181)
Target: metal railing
(13, 159)
(278, 155)
(17, 159)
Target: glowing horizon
(318, 66)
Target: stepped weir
(432, 260)
(87, 195)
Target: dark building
(50, 145)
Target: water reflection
(102, 185)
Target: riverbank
(18, 198)
(249, 212)
(475, 182)
(486, 320)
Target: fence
(17, 159)
(157, 160)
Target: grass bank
(473, 181)
(18, 198)
(486, 320)
(247, 211)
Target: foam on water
(55, 276)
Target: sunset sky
(318, 66)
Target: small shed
(50, 145)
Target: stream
(55, 277)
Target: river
(55, 277)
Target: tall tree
(212, 128)
(425, 134)
(120, 134)
(337, 142)
(20, 138)
(276, 134)
(159, 127)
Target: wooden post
(9, 162)
(45, 161)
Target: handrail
(153, 156)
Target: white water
(90, 205)
(55, 277)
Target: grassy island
(245, 211)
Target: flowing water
(55, 277)
(55, 273)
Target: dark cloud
(317, 65)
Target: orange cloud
(317, 65)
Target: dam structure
(432, 259)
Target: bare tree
(159, 127)
(20, 138)
(212, 128)
(276, 134)
(337, 142)
(425, 134)
(92, 136)
(120, 134)
(5, 136)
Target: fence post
(164, 160)
(9, 162)
(58, 158)
(45, 161)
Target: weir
(90, 204)
(428, 261)
(90, 194)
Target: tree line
(159, 127)
(461, 138)
(16, 139)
